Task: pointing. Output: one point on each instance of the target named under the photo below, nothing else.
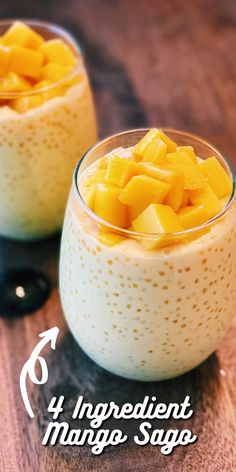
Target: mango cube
(155, 151)
(57, 51)
(26, 62)
(180, 157)
(189, 151)
(133, 212)
(88, 195)
(184, 202)
(51, 92)
(175, 195)
(216, 176)
(207, 198)
(4, 60)
(159, 219)
(14, 83)
(109, 239)
(142, 190)
(192, 216)
(19, 34)
(26, 103)
(166, 173)
(55, 72)
(120, 171)
(151, 147)
(108, 206)
(171, 145)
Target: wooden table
(164, 63)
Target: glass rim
(62, 33)
(150, 236)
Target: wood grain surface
(151, 62)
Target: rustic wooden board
(151, 63)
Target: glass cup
(147, 314)
(40, 146)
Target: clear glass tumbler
(147, 315)
(43, 133)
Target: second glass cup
(43, 133)
(142, 314)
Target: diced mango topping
(217, 177)
(206, 197)
(158, 219)
(55, 72)
(147, 192)
(151, 148)
(27, 61)
(142, 190)
(4, 60)
(120, 171)
(109, 239)
(192, 216)
(20, 34)
(56, 51)
(26, 103)
(13, 83)
(108, 206)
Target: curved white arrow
(29, 367)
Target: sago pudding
(47, 121)
(148, 255)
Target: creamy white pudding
(147, 314)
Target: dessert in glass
(47, 121)
(148, 254)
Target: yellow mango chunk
(142, 190)
(184, 202)
(55, 72)
(51, 92)
(180, 157)
(155, 151)
(217, 177)
(26, 103)
(207, 198)
(159, 219)
(109, 239)
(19, 34)
(57, 51)
(26, 62)
(193, 179)
(151, 147)
(192, 216)
(108, 206)
(189, 151)
(166, 173)
(120, 171)
(14, 83)
(174, 197)
(133, 212)
(171, 145)
(4, 60)
(88, 195)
